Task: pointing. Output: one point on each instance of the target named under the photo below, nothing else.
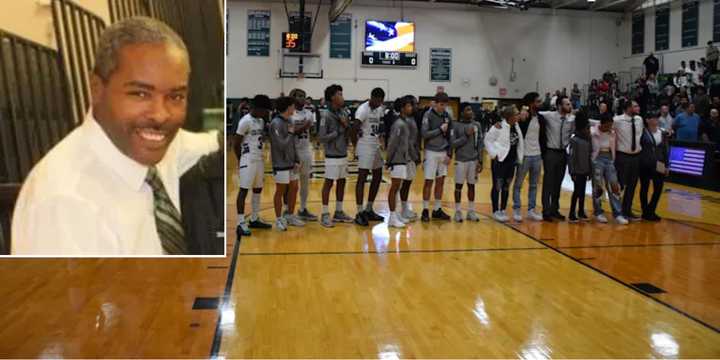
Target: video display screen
(389, 36)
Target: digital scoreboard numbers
(389, 58)
(291, 40)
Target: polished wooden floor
(122, 308)
(530, 290)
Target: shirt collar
(437, 113)
(129, 170)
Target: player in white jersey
(303, 120)
(368, 130)
(249, 150)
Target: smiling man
(111, 187)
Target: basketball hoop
(310, 67)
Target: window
(662, 28)
(689, 23)
(652, 3)
(716, 21)
(638, 33)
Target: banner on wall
(258, 33)
(341, 37)
(440, 64)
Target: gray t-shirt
(467, 147)
(435, 139)
(413, 138)
(532, 138)
(398, 148)
(332, 133)
(282, 145)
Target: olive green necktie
(167, 217)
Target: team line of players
(292, 157)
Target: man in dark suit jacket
(202, 194)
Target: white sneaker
(472, 216)
(280, 224)
(505, 217)
(516, 215)
(498, 216)
(621, 220)
(409, 214)
(534, 215)
(403, 219)
(601, 219)
(293, 220)
(458, 216)
(393, 221)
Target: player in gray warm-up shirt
(436, 131)
(414, 151)
(303, 120)
(467, 141)
(285, 163)
(398, 157)
(333, 134)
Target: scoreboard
(291, 40)
(389, 58)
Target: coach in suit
(111, 187)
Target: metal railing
(34, 115)
(77, 31)
(121, 9)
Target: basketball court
(469, 290)
(438, 289)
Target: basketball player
(436, 131)
(414, 141)
(303, 120)
(398, 157)
(334, 123)
(285, 163)
(367, 147)
(468, 144)
(407, 215)
(249, 150)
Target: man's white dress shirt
(87, 198)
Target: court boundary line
(217, 337)
(420, 251)
(684, 223)
(673, 220)
(691, 222)
(638, 245)
(433, 251)
(489, 220)
(611, 277)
